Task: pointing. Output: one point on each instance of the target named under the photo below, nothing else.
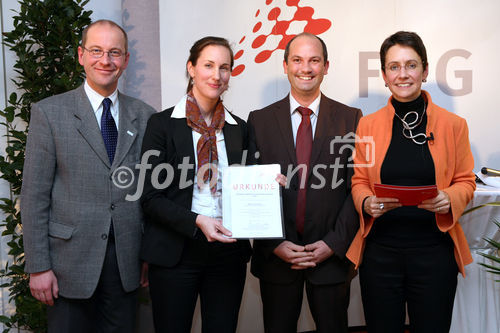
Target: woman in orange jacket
(409, 256)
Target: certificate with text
(251, 201)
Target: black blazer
(169, 220)
(330, 213)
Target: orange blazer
(453, 163)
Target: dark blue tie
(108, 129)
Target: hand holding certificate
(251, 201)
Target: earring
(424, 80)
(386, 84)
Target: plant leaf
(470, 210)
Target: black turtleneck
(411, 164)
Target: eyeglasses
(98, 53)
(410, 66)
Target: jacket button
(112, 206)
(104, 236)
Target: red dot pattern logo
(280, 28)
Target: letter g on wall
(465, 75)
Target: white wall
(468, 35)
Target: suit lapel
(233, 142)
(325, 119)
(183, 141)
(127, 131)
(284, 121)
(87, 125)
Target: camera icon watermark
(349, 141)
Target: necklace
(408, 127)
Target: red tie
(303, 148)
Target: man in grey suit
(81, 236)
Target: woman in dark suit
(188, 250)
(409, 256)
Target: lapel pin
(130, 133)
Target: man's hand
(213, 229)
(43, 286)
(281, 179)
(294, 254)
(319, 251)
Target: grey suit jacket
(68, 197)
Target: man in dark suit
(81, 236)
(299, 133)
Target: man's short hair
(108, 22)
(323, 45)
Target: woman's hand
(213, 229)
(439, 204)
(375, 207)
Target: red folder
(407, 195)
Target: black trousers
(423, 279)
(109, 310)
(282, 304)
(174, 292)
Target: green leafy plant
(495, 258)
(45, 39)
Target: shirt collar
(180, 112)
(96, 99)
(314, 106)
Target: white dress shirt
(96, 101)
(204, 201)
(297, 117)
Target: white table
(477, 301)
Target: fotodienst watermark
(162, 175)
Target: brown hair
(108, 22)
(404, 38)
(197, 48)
